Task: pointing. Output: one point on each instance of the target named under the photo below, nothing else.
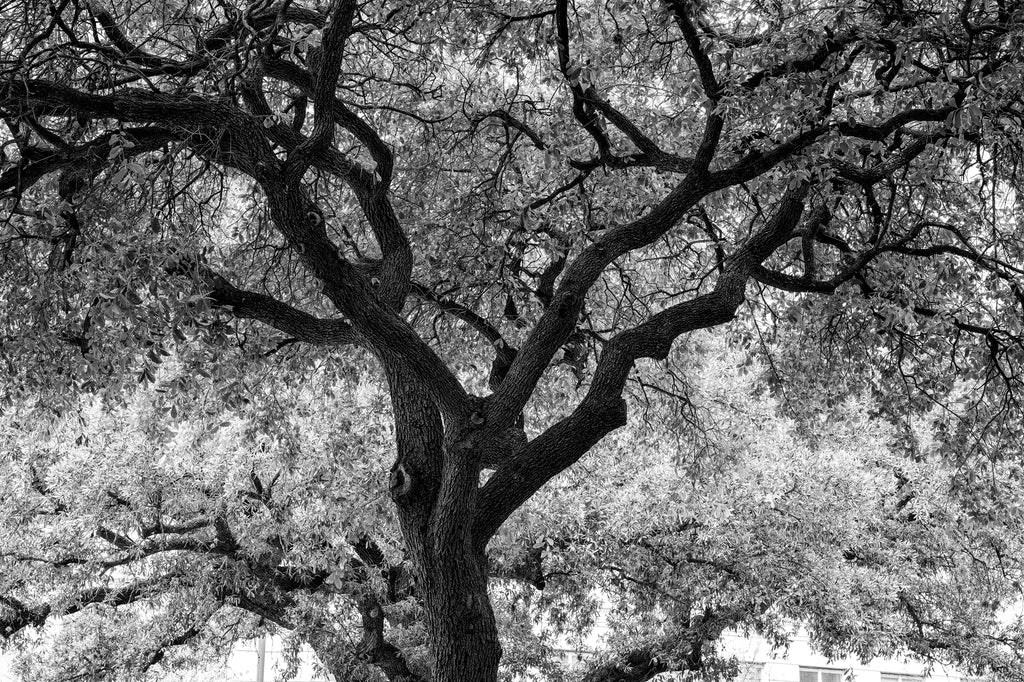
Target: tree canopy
(252, 247)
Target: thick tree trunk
(460, 623)
(434, 485)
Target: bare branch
(653, 153)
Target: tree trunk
(434, 484)
(460, 622)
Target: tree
(167, 538)
(845, 533)
(160, 541)
(579, 185)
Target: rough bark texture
(460, 619)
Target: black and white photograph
(511, 341)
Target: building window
(900, 677)
(820, 675)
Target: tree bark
(460, 622)
(433, 484)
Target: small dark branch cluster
(582, 109)
(504, 353)
(638, 665)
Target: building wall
(765, 665)
(758, 663)
(242, 665)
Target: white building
(800, 663)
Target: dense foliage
(250, 252)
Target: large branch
(15, 616)
(395, 343)
(396, 265)
(559, 319)
(90, 156)
(279, 315)
(327, 59)
(236, 139)
(47, 98)
(602, 409)
(214, 128)
(22, 616)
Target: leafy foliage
(251, 249)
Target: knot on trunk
(400, 482)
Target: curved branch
(24, 616)
(376, 206)
(327, 60)
(504, 353)
(581, 109)
(394, 342)
(602, 409)
(300, 78)
(279, 315)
